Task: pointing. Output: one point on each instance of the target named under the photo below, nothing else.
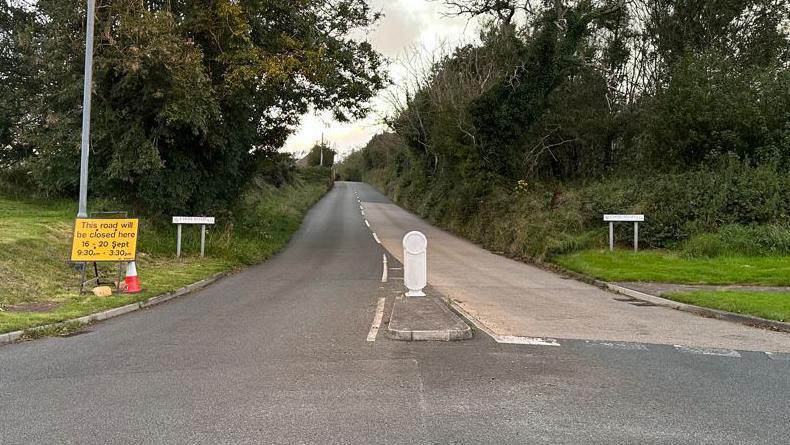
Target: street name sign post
(202, 221)
(636, 219)
(415, 263)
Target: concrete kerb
(12, 337)
(703, 311)
(445, 334)
(747, 320)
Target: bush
(738, 239)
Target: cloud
(407, 26)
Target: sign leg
(178, 242)
(202, 240)
(82, 277)
(636, 236)
(611, 236)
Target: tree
(321, 154)
(15, 74)
(188, 95)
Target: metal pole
(611, 236)
(636, 236)
(86, 110)
(202, 240)
(178, 243)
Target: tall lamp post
(86, 110)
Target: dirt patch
(32, 307)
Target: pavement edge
(11, 337)
(698, 310)
(747, 320)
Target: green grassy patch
(35, 239)
(770, 305)
(668, 267)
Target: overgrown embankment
(39, 285)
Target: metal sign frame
(636, 219)
(202, 221)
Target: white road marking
(536, 341)
(708, 351)
(384, 268)
(376, 237)
(367, 223)
(374, 329)
(778, 356)
(362, 212)
(624, 346)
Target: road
(513, 299)
(279, 353)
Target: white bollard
(415, 263)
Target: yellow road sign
(99, 239)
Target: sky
(407, 26)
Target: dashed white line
(708, 351)
(367, 223)
(374, 328)
(376, 238)
(384, 268)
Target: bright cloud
(407, 25)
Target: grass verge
(769, 305)
(670, 267)
(39, 286)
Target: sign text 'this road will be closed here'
(97, 239)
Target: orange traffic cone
(132, 281)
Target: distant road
(280, 353)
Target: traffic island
(425, 319)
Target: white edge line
(376, 238)
(374, 328)
(720, 352)
(534, 341)
(384, 268)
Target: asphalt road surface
(279, 353)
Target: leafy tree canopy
(187, 95)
